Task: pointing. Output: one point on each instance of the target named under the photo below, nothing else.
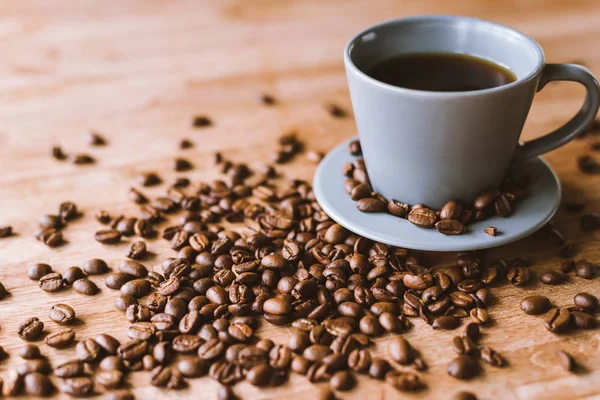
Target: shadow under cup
(432, 147)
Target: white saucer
(531, 213)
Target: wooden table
(137, 71)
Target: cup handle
(581, 120)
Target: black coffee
(441, 72)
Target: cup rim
(531, 75)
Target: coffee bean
(586, 302)
(51, 222)
(116, 280)
(565, 360)
(137, 250)
(30, 329)
(201, 121)
(464, 396)
(553, 277)
(40, 365)
(108, 236)
(95, 267)
(359, 360)
(557, 320)
(491, 230)
(88, 350)
(397, 208)
(211, 349)
(277, 306)
(72, 274)
(60, 339)
(361, 191)
(491, 356)
(518, 276)
(123, 301)
(585, 269)
(85, 286)
(110, 379)
(567, 266)
(192, 366)
(472, 331)
(37, 271)
(536, 304)
(37, 384)
(133, 268)
(62, 314)
(29, 352)
(51, 282)
(77, 387)
(354, 148)
(108, 343)
(582, 320)
(149, 179)
(400, 350)
(133, 350)
(479, 315)
(450, 227)
(588, 165)
(342, 381)
(590, 222)
(445, 322)
(463, 367)
(423, 217)
(136, 288)
(58, 153)
(260, 375)
(370, 205)
(69, 369)
(143, 228)
(485, 199)
(403, 381)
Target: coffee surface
(441, 72)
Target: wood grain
(138, 71)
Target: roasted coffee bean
(83, 159)
(491, 230)
(37, 271)
(137, 250)
(565, 360)
(186, 343)
(6, 231)
(553, 277)
(450, 227)
(359, 360)
(108, 343)
(211, 349)
(518, 276)
(37, 384)
(51, 282)
(361, 191)
(370, 205)
(110, 379)
(108, 236)
(133, 350)
(62, 314)
(462, 395)
(536, 304)
(557, 320)
(422, 217)
(85, 286)
(13, 384)
(149, 179)
(585, 269)
(472, 331)
(88, 350)
(111, 363)
(51, 221)
(403, 381)
(95, 266)
(260, 375)
(192, 366)
(582, 320)
(29, 352)
(136, 288)
(491, 356)
(77, 387)
(123, 301)
(116, 280)
(50, 237)
(277, 306)
(316, 352)
(379, 367)
(342, 381)
(502, 206)
(586, 302)
(445, 322)
(397, 208)
(451, 210)
(479, 315)
(486, 199)
(590, 222)
(30, 329)
(400, 350)
(69, 369)
(72, 274)
(138, 313)
(463, 367)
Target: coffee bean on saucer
(449, 227)
(422, 217)
(370, 205)
(491, 230)
(354, 148)
(397, 208)
(363, 190)
(486, 199)
(451, 210)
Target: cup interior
(428, 34)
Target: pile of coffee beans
(454, 215)
(246, 249)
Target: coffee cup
(431, 147)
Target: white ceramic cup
(431, 147)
